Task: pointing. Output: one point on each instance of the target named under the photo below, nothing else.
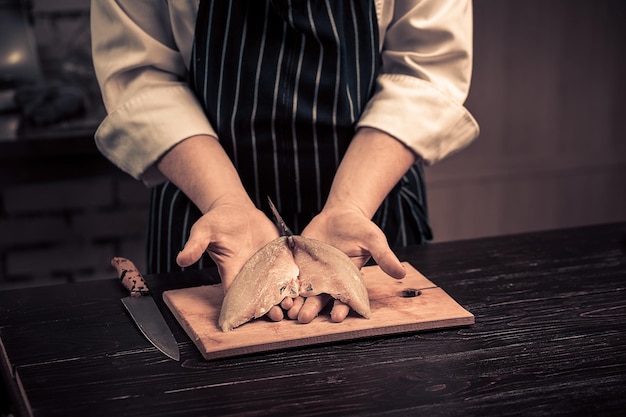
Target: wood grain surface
(548, 340)
(410, 304)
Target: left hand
(350, 231)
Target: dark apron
(284, 83)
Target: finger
(386, 259)
(193, 250)
(312, 307)
(339, 312)
(293, 312)
(275, 313)
(390, 263)
(287, 303)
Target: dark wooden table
(549, 339)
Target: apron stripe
(223, 61)
(233, 119)
(357, 69)
(150, 235)
(337, 81)
(257, 81)
(274, 116)
(186, 226)
(318, 73)
(170, 225)
(206, 52)
(160, 231)
(294, 135)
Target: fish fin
(278, 220)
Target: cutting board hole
(410, 293)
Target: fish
(325, 269)
(268, 277)
(291, 266)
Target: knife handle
(130, 277)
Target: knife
(143, 309)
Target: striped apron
(283, 83)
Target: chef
(330, 108)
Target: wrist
(237, 201)
(371, 167)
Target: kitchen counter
(549, 339)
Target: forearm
(202, 170)
(371, 167)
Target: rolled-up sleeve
(425, 77)
(142, 75)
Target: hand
(350, 231)
(231, 233)
(232, 229)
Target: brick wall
(65, 231)
(54, 229)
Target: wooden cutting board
(410, 304)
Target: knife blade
(143, 309)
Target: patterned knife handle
(130, 277)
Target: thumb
(390, 263)
(193, 250)
(385, 258)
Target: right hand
(230, 233)
(350, 231)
